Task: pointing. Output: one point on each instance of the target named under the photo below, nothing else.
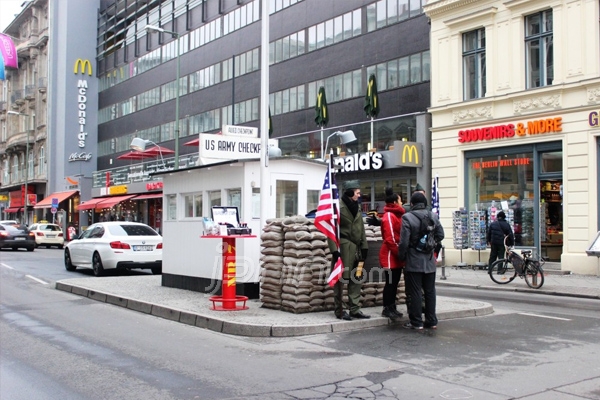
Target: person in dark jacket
(420, 269)
(499, 230)
(353, 248)
(391, 223)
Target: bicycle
(505, 270)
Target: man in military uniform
(353, 248)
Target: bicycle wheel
(502, 271)
(534, 275)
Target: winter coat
(391, 223)
(352, 238)
(497, 231)
(410, 232)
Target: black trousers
(496, 251)
(392, 279)
(420, 284)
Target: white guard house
(194, 263)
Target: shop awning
(13, 210)
(113, 201)
(61, 196)
(91, 204)
(148, 196)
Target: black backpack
(425, 242)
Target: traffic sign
(54, 202)
(53, 210)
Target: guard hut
(194, 263)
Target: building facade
(515, 96)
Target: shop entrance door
(551, 219)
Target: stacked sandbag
(321, 297)
(297, 265)
(271, 263)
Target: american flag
(435, 196)
(327, 220)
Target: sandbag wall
(296, 262)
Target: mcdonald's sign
(81, 65)
(408, 154)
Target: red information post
(228, 299)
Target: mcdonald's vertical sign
(408, 154)
(81, 67)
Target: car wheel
(97, 265)
(32, 248)
(157, 270)
(68, 263)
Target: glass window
(286, 198)
(347, 26)
(215, 198)
(551, 162)
(371, 17)
(381, 13)
(172, 207)
(255, 203)
(234, 199)
(403, 71)
(539, 49)
(312, 199)
(506, 180)
(474, 68)
(415, 68)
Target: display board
(460, 226)
(478, 229)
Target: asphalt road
(55, 345)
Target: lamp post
(139, 144)
(153, 28)
(345, 137)
(26, 164)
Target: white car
(48, 235)
(115, 245)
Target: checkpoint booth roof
(190, 261)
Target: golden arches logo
(81, 65)
(410, 149)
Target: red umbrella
(195, 142)
(135, 155)
(157, 151)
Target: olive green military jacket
(352, 237)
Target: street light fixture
(345, 137)
(139, 144)
(26, 164)
(154, 28)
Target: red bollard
(228, 298)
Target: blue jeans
(419, 284)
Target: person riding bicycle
(499, 230)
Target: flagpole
(322, 150)
(371, 144)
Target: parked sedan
(48, 235)
(115, 245)
(15, 238)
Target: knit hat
(353, 184)
(501, 215)
(417, 198)
(419, 188)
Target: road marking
(545, 316)
(36, 279)
(6, 266)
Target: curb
(250, 330)
(520, 290)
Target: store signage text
(510, 162)
(359, 162)
(154, 186)
(234, 130)
(593, 119)
(80, 67)
(231, 147)
(122, 189)
(535, 127)
(80, 157)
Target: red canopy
(135, 155)
(157, 150)
(195, 142)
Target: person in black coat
(498, 230)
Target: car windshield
(49, 228)
(12, 228)
(131, 230)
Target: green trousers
(353, 296)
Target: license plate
(20, 238)
(51, 236)
(143, 248)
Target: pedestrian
(353, 248)
(420, 269)
(391, 223)
(498, 231)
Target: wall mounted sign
(359, 162)
(408, 154)
(231, 147)
(81, 67)
(506, 131)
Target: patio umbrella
(372, 101)
(134, 155)
(322, 117)
(158, 150)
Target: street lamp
(26, 164)
(139, 144)
(153, 28)
(345, 137)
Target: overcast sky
(8, 9)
